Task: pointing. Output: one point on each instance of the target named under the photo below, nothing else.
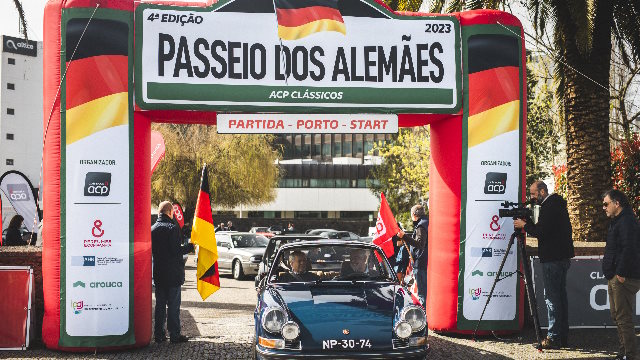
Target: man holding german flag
(203, 235)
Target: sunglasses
(606, 203)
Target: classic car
(272, 249)
(239, 253)
(316, 305)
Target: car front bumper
(407, 353)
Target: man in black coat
(621, 267)
(419, 249)
(168, 273)
(555, 249)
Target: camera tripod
(526, 275)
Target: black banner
(19, 46)
(586, 291)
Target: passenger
(299, 269)
(357, 264)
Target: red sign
(15, 285)
(178, 214)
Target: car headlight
(415, 316)
(403, 329)
(290, 331)
(273, 319)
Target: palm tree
(583, 32)
(23, 19)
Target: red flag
(157, 149)
(178, 214)
(386, 228)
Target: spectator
(291, 229)
(419, 248)
(555, 249)
(14, 233)
(230, 226)
(620, 267)
(220, 227)
(168, 273)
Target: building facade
(324, 176)
(21, 112)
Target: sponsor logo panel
(19, 192)
(97, 184)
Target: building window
(9, 136)
(10, 111)
(11, 86)
(11, 61)
(9, 161)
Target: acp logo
(18, 192)
(97, 184)
(495, 183)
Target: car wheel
(238, 274)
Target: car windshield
(249, 240)
(261, 229)
(320, 263)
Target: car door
(224, 244)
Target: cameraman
(555, 248)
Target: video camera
(515, 210)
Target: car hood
(325, 311)
(249, 251)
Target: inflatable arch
(111, 68)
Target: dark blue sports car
(336, 300)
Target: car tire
(238, 273)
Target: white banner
(199, 58)
(97, 234)
(492, 177)
(18, 189)
(307, 123)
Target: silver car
(240, 253)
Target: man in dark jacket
(621, 266)
(168, 273)
(419, 248)
(555, 249)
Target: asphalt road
(222, 328)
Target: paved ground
(222, 328)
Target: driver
(299, 269)
(357, 264)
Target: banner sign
(19, 46)
(178, 214)
(96, 270)
(362, 58)
(306, 123)
(490, 176)
(587, 294)
(18, 189)
(157, 149)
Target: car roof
(327, 243)
(300, 237)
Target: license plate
(346, 344)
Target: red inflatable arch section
(491, 83)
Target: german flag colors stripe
(103, 113)
(203, 235)
(493, 122)
(493, 87)
(298, 18)
(109, 75)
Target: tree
(22, 18)
(583, 32)
(242, 168)
(404, 5)
(543, 128)
(403, 176)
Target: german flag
(102, 103)
(494, 87)
(203, 235)
(301, 18)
